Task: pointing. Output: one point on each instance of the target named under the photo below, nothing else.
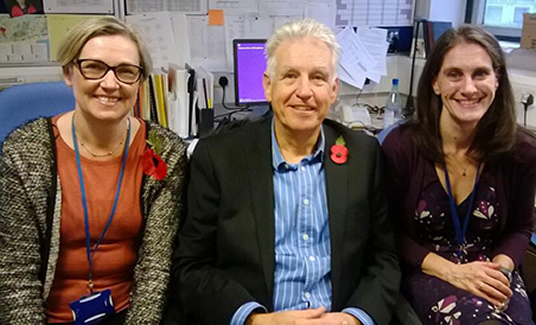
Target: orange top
(116, 257)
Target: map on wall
(27, 28)
(374, 13)
(23, 39)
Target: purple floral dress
(438, 302)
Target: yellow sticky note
(215, 17)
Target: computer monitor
(249, 67)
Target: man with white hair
(287, 217)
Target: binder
(153, 115)
(193, 111)
(146, 103)
(160, 98)
(178, 101)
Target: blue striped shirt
(302, 247)
(302, 240)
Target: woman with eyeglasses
(90, 200)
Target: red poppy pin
(339, 152)
(151, 162)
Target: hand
(294, 317)
(504, 260)
(337, 319)
(482, 279)
(330, 319)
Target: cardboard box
(528, 33)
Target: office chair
(385, 132)
(404, 313)
(22, 103)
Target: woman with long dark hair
(463, 186)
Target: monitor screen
(249, 67)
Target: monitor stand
(259, 110)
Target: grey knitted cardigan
(30, 208)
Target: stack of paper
(362, 55)
(166, 37)
(178, 100)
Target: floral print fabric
(438, 302)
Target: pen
(206, 95)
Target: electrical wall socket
(229, 89)
(521, 90)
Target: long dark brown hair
(495, 133)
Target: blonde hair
(299, 29)
(73, 42)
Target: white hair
(300, 29)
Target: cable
(230, 114)
(223, 82)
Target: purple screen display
(250, 64)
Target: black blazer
(226, 256)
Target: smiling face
(466, 84)
(303, 85)
(105, 99)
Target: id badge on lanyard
(98, 305)
(93, 309)
(461, 230)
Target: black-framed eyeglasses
(96, 69)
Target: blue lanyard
(460, 232)
(84, 200)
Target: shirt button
(305, 202)
(287, 166)
(305, 237)
(312, 258)
(307, 295)
(303, 168)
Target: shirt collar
(317, 156)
